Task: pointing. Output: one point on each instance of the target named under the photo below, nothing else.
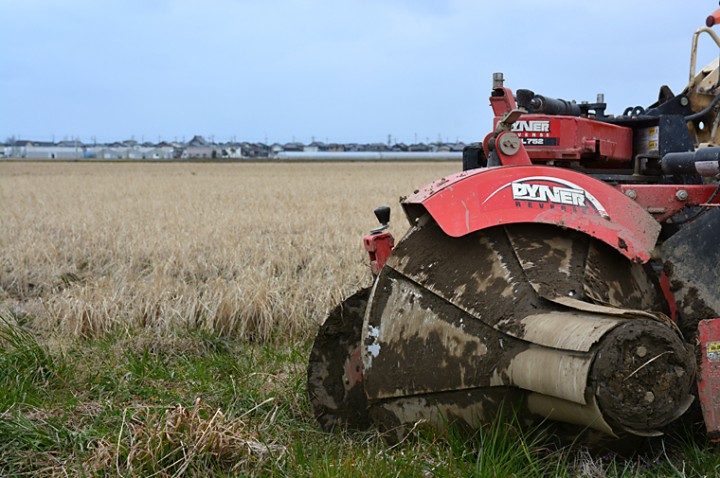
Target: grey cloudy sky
(337, 70)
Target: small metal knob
(382, 213)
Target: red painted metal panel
(481, 198)
(379, 247)
(709, 374)
(571, 137)
(502, 101)
(664, 200)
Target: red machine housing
(552, 137)
(573, 138)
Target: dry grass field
(155, 320)
(256, 251)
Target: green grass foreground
(199, 405)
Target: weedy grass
(27, 370)
(133, 404)
(155, 320)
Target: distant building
(256, 150)
(198, 142)
(201, 152)
(315, 147)
(233, 151)
(290, 147)
(116, 151)
(377, 147)
(108, 153)
(160, 152)
(417, 148)
(45, 150)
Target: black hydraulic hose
(692, 117)
(637, 111)
(703, 112)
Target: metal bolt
(631, 193)
(684, 101)
(510, 144)
(681, 195)
(498, 80)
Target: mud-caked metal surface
(547, 321)
(335, 373)
(692, 263)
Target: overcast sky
(333, 70)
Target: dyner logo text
(531, 126)
(543, 193)
(551, 190)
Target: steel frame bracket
(378, 246)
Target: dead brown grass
(166, 442)
(257, 251)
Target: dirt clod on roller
(641, 375)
